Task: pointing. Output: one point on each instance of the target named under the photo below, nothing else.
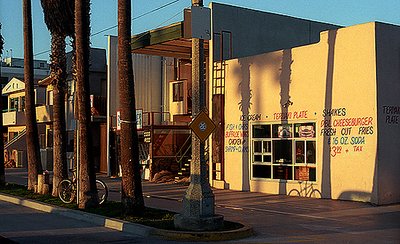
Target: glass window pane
(49, 138)
(301, 173)
(266, 146)
(22, 103)
(267, 158)
(282, 131)
(311, 152)
(257, 158)
(177, 92)
(300, 152)
(261, 171)
(257, 146)
(282, 151)
(261, 131)
(304, 130)
(283, 172)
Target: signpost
(202, 126)
(198, 203)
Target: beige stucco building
(320, 118)
(300, 107)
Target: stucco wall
(388, 77)
(336, 74)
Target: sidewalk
(277, 218)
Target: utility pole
(198, 203)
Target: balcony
(13, 117)
(44, 114)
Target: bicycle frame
(71, 190)
(307, 189)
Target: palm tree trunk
(87, 174)
(132, 196)
(58, 67)
(32, 137)
(2, 171)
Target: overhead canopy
(46, 81)
(169, 41)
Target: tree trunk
(132, 196)
(2, 171)
(32, 137)
(58, 71)
(87, 174)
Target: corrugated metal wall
(147, 71)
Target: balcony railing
(13, 117)
(44, 113)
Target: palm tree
(87, 174)
(59, 18)
(32, 136)
(131, 196)
(2, 172)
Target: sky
(151, 14)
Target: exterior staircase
(15, 139)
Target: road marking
(273, 211)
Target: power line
(144, 34)
(142, 15)
(112, 27)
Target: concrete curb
(116, 224)
(128, 227)
(245, 231)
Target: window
(49, 141)
(22, 103)
(283, 151)
(14, 104)
(177, 91)
(49, 97)
(42, 141)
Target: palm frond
(59, 16)
(1, 42)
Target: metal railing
(12, 141)
(181, 154)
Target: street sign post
(202, 126)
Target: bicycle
(67, 189)
(306, 191)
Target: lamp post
(198, 203)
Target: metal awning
(169, 41)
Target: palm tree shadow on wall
(255, 101)
(244, 107)
(285, 102)
(326, 187)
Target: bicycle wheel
(315, 194)
(66, 191)
(102, 191)
(294, 192)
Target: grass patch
(151, 217)
(21, 191)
